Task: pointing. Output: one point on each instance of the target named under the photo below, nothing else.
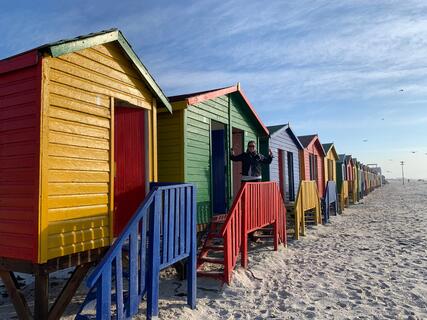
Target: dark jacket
(252, 160)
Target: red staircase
(257, 206)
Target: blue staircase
(160, 233)
(330, 198)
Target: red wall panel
(20, 90)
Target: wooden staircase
(257, 211)
(161, 233)
(210, 261)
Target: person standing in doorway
(251, 162)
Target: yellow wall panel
(61, 150)
(78, 140)
(78, 247)
(65, 214)
(78, 224)
(77, 128)
(80, 117)
(77, 188)
(76, 98)
(63, 239)
(171, 146)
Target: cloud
(332, 67)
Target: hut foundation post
(41, 294)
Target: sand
(369, 263)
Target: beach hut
(342, 183)
(331, 159)
(349, 167)
(330, 194)
(350, 176)
(285, 168)
(195, 140)
(361, 182)
(78, 150)
(356, 179)
(312, 161)
(194, 144)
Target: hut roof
(328, 147)
(306, 140)
(309, 139)
(287, 127)
(341, 157)
(197, 97)
(349, 159)
(274, 129)
(61, 47)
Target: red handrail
(258, 204)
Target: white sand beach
(369, 263)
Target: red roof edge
(220, 92)
(21, 61)
(211, 95)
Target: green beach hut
(194, 143)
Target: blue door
(219, 196)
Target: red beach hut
(312, 161)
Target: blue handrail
(160, 233)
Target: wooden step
(212, 260)
(214, 247)
(261, 236)
(211, 274)
(214, 236)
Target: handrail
(232, 233)
(118, 244)
(160, 233)
(257, 205)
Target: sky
(354, 72)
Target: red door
(129, 154)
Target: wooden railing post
(227, 256)
(245, 216)
(154, 258)
(302, 212)
(191, 210)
